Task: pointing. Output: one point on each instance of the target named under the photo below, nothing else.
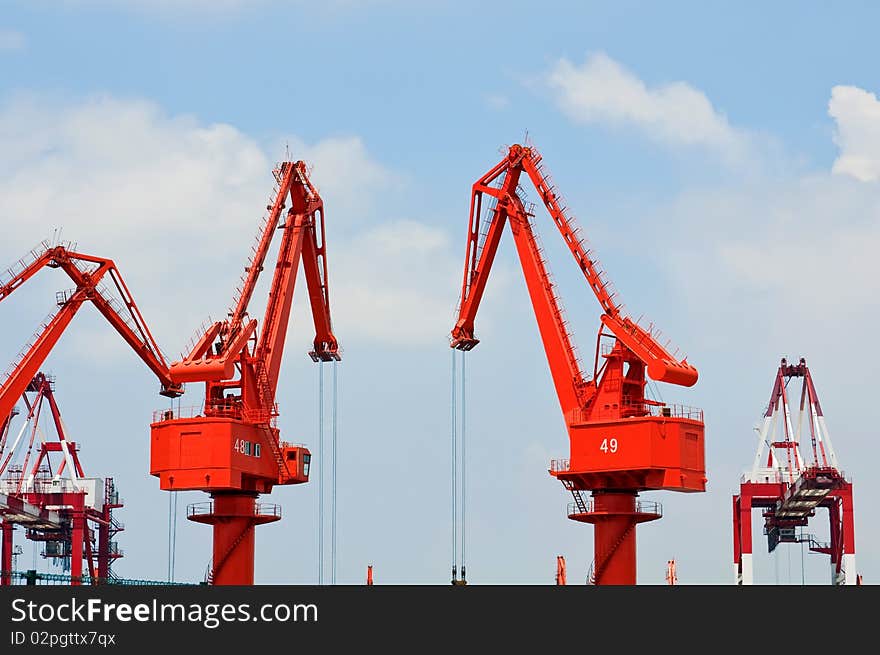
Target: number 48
(608, 445)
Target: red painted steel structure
(621, 442)
(56, 504)
(230, 446)
(560, 570)
(97, 280)
(90, 275)
(788, 487)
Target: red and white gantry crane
(44, 489)
(788, 487)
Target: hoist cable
(320, 474)
(454, 469)
(333, 426)
(463, 463)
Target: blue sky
(723, 161)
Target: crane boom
(303, 239)
(87, 272)
(283, 179)
(572, 390)
(502, 183)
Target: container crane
(229, 447)
(621, 442)
(57, 504)
(113, 300)
(789, 487)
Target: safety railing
(33, 577)
(26, 348)
(207, 509)
(196, 337)
(641, 507)
(194, 411)
(560, 465)
(19, 266)
(257, 415)
(780, 475)
(641, 410)
(36, 485)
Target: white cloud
(798, 251)
(176, 203)
(10, 40)
(602, 91)
(396, 283)
(857, 116)
(804, 243)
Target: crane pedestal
(233, 515)
(615, 515)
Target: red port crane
(230, 446)
(621, 442)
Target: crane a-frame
(112, 299)
(621, 441)
(230, 446)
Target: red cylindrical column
(6, 557)
(614, 537)
(233, 516)
(234, 539)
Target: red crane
(621, 442)
(96, 280)
(230, 445)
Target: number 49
(608, 445)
